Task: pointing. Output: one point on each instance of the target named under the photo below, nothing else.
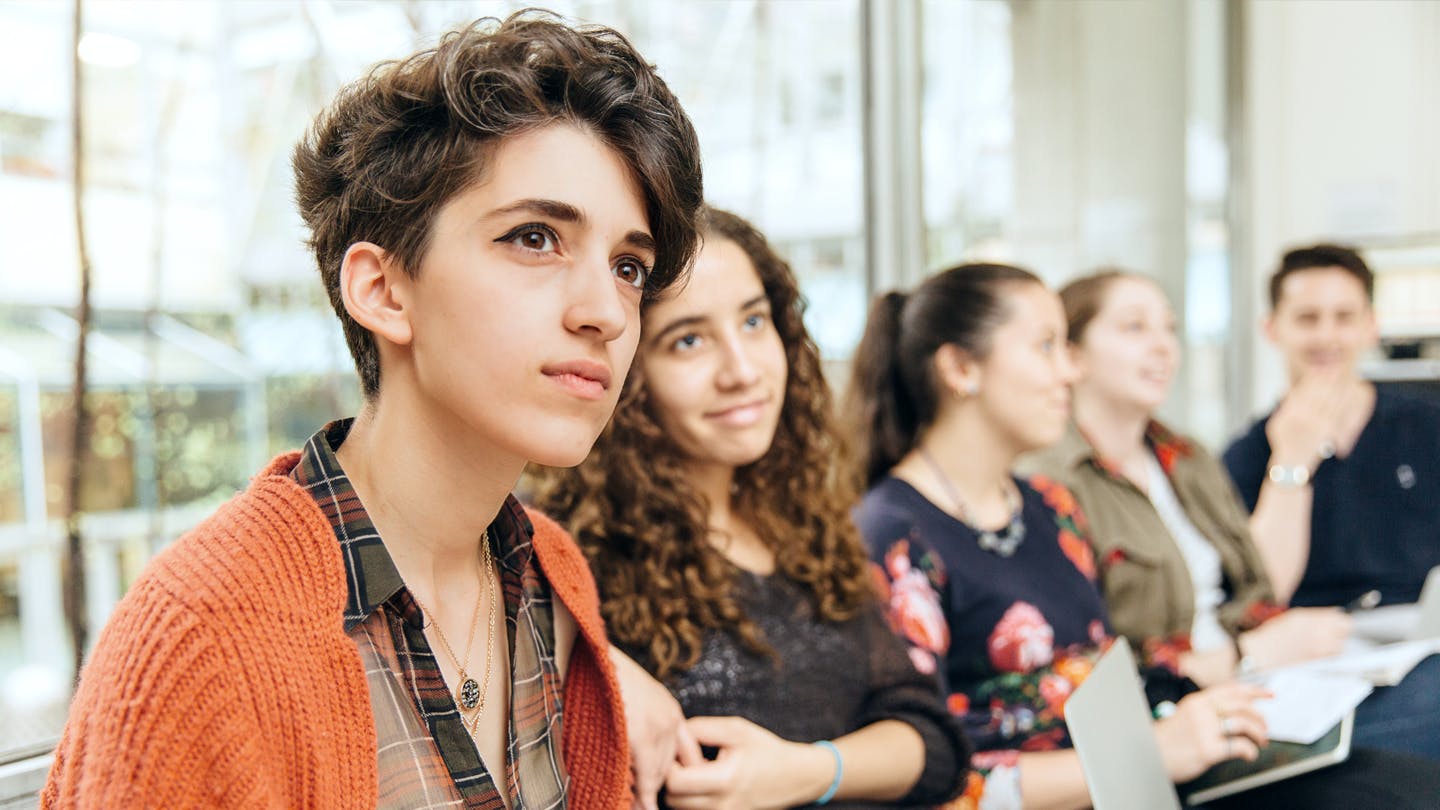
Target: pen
(1364, 601)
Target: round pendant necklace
(470, 697)
(1003, 542)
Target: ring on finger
(1227, 725)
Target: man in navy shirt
(1342, 480)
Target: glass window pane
(213, 344)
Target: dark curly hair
(396, 145)
(644, 527)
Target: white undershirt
(1200, 557)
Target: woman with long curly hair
(714, 516)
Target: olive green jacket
(1144, 577)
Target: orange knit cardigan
(225, 678)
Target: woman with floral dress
(991, 577)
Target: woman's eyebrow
(686, 321)
(565, 212)
(555, 209)
(679, 323)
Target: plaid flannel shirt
(426, 756)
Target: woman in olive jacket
(1176, 560)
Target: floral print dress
(1008, 637)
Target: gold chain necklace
(470, 697)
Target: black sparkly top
(826, 680)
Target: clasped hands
(754, 768)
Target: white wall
(1100, 105)
(1343, 133)
(1100, 143)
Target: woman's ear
(376, 291)
(956, 372)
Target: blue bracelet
(839, 772)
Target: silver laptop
(1109, 723)
(1428, 624)
(1404, 622)
(1278, 760)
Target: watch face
(1296, 476)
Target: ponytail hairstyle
(894, 393)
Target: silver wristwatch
(1288, 475)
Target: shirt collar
(1168, 445)
(1074, 448)
(371, 577)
